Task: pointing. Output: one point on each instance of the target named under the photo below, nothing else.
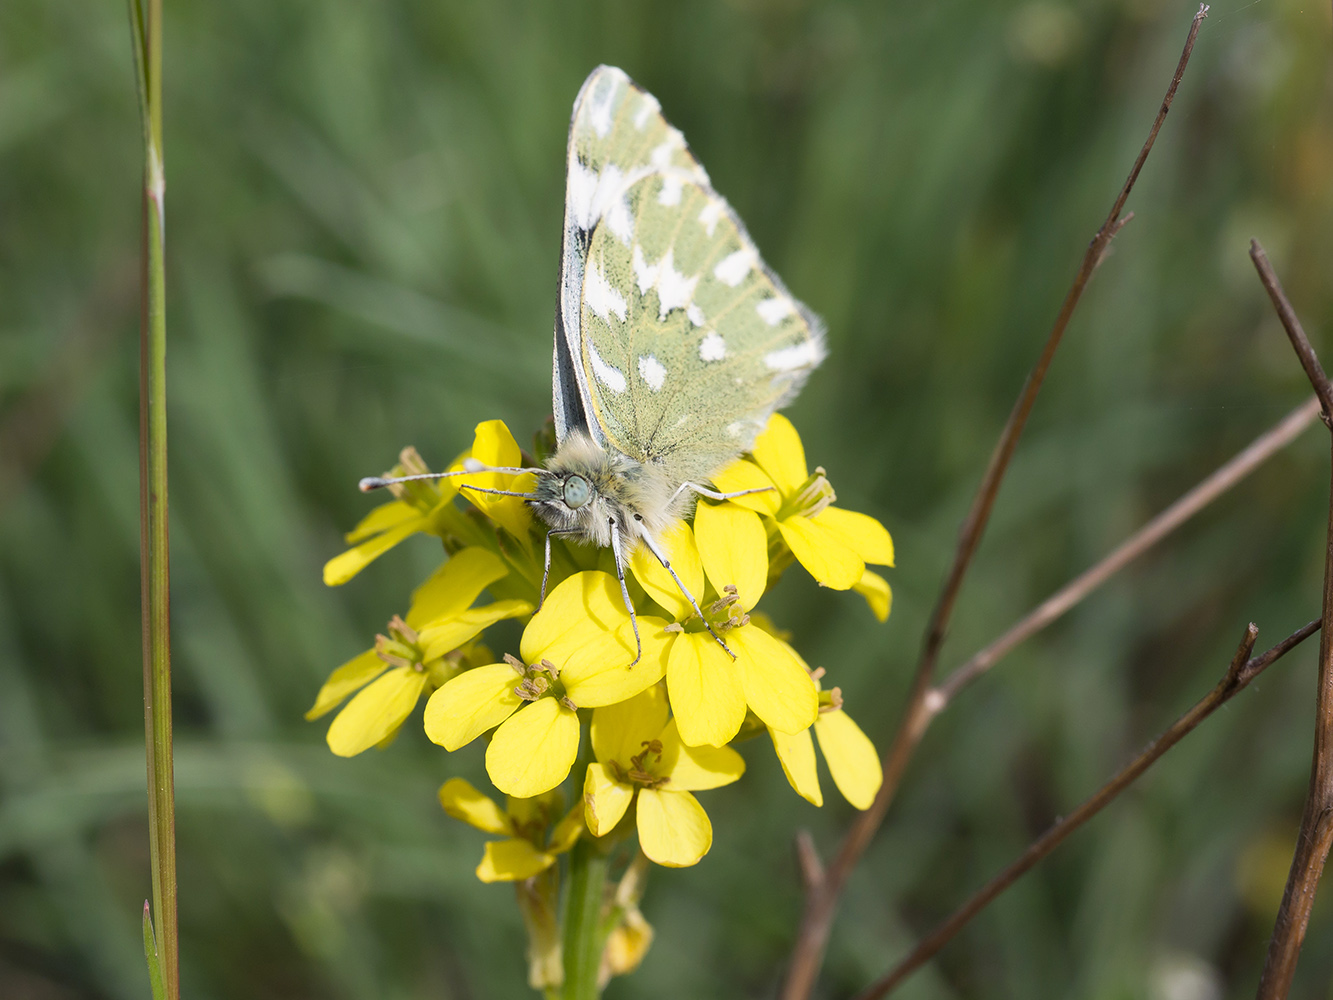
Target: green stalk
(584, 932)
(146, 32)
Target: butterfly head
(590, 492)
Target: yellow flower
(528, 848)
(416, 507)
(709, 690)
(493, 445)
(577, 652)
(833, 544)
(418, 654)
(640, 755)
(632, 936)
(848, 752)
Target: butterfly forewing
(680, 342)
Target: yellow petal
(860, 532)
(494, 445)
(743, 475)
(355, 673)
(461, 801)
(779, 453)
(599, 671)
(604, 800)
(734, 549)
(627, 944)
(471, 703)
(683, 554)
(382, 518)
(619, 731)
(376, 712)
(567, 831)
(796, 753)
(512, 861)
(533, 749)
(705, 690)
(450, 633)
(346, 565)
(827, 558)
(673, 828)
(851, 758)
(776, 686)
(695, 769)
(875, 589)
(455, 585)
(574, 613)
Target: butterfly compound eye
(577, 492)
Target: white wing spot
(672, 183)
(648, 107)
(652, 372)
(711, 213)
(787, 359)
(592, 195)
(732, 269)
(712, 347)
(774, 311)
(618, 217)
(599, 106)
(581, 193)
(644, 273)
(735, 429)
(660, 157)
(609, 376)
(674, 290)
(601, 297)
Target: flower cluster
(638, 734)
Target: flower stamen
(814, 495)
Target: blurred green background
(364, 204)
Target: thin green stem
(585, 934)
(146, 33)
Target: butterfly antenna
(376, 482)
(503, 493)
(470, 466)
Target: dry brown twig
(1317, 828)
(821, 900)
(1316, 833)
(1222, 479)
(1240, 673)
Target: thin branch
(1300, 343)
(817, 918)
(1316, 834)
(1240, 673)
(1259, 451)
(809, 861)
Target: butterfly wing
(674, 341)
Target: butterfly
(674, 342)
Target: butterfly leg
(619, 556)
(666, 564)
(546, 565)
(704, 491)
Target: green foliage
(364, 227)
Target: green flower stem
(585, 934)
(146, 32)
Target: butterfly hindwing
(677, 341)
